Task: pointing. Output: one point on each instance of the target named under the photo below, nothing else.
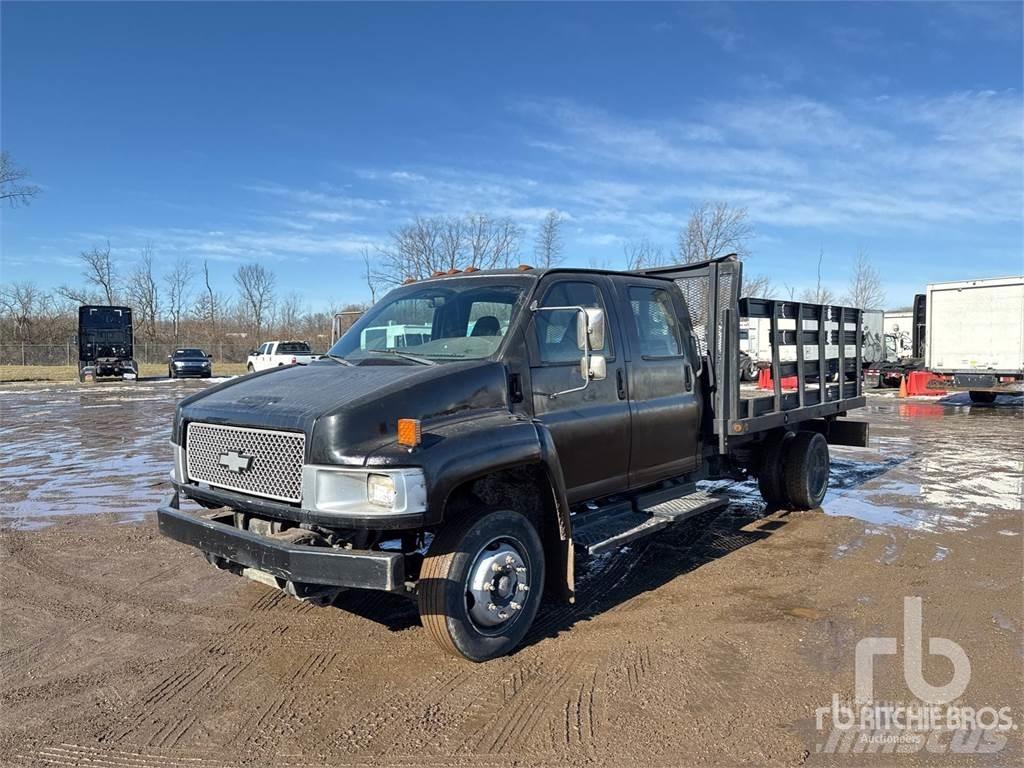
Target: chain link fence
(227, 351)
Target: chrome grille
(270, 461)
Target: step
(599, 530)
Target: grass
(13, 373)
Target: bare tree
(713, 230)
(759, 287)
(642, 253)
(13, 190)
(370, 275)
(256, 294)
(865, 289)
(429, 245)
(289, 314)
(99, 271)
(22, 303)
(548, 247)
(820, 294)
(144, 293)
(178, 282)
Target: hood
(349, 411)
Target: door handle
(620, 384)
(688, 377)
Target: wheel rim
(497, 585)
(817, 472)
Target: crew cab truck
(106, 343)
(274, 354)
(547, 409)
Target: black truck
(548, 410)
(106, 343)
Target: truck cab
(543, 410)
(106, 343)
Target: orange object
(764, 380)
(903, 386)
(524, 267)
(409, 433)
(409, 281)
(453, 271)
(470, 269)
(918, 383)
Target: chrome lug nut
(492, 607)
(521, 569)
(514, 605)
(524, 587)
(503, 615)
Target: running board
(599, 530)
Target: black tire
(170, 373)
(770, 479)
(250, 369)
(447, 605)
(806, 470)
(982, 397)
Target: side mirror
(168, 357)
(590, 323)
(593, 367)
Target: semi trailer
(543, 413)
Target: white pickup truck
(277, 353)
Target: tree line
(176, 303)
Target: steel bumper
(365, 569)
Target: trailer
(975, 338)
(106, 343)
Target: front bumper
(295, 563)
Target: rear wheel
(481, 584)
(770, 478)
(806, 470)
(982, 397)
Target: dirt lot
(714, 642)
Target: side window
(262, 350)
(556, 331)
(657, 325)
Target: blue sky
(296, 134)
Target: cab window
(656, 322)
(556, 331)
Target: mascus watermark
(930, 721)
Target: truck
(552, 413)
(106, 343)
(275, 354)
(975, 336)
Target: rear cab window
(656, 322)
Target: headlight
(178, 363)
(380, 490)
(363, 491)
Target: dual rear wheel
(794, 470)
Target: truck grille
(262, 462)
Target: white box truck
(975, 339)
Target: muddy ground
(713, 642)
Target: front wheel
(250, 369)
(982, 397)
(481, 583)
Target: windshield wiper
(340, 359)
(404, 355)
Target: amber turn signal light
(409, 433)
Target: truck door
(590, 427)
(663, 391)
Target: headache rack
(816, 347)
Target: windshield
(453, 320)
(189, 353)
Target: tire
(806, 470)
(770, 479)
(170, 373)
(478, 544)
(250, 369)
(982, 397)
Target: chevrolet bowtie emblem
(235, 462)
